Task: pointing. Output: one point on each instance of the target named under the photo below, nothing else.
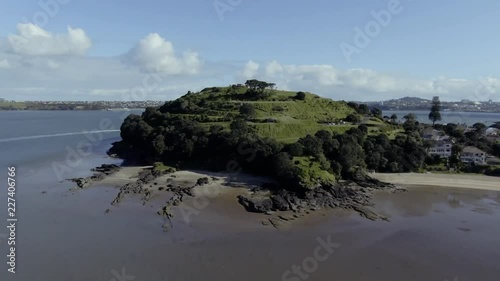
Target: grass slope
(278, 116)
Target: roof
(472, 149)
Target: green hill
(278, 114)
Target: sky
(362, 50)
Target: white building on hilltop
(471, 154)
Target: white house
(441, 148)
(471, 154)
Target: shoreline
(465, 181)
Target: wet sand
(434, 234)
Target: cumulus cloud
(33, 40)
(155, 54)
(250, 71)
(4, 64)
(273, 68)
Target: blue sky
(445, 48)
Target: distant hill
(414, 103)
(412, 100)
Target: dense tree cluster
(360, 108)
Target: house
(433, 134)
(492, 132)
(471, 154)
(441, 148)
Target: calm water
(468, 118)
(65, 236)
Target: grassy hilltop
(277, 114)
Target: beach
(470, 181)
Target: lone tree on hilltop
(435, 114)
(257, 89)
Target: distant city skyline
(344, 50)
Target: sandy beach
(470, 181)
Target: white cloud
(4, 64)
(33, 40)
(273, 68)
(155, 54)
(250, 71)
(368, 84)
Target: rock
(283, 218)
(364, 180)
(118, 198)
(365, 212)
(202, 181)
(107, 169)
(280, 203)
(276, 223)
(97, 177)
(256, 205)
(82, 182)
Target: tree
(300, 96)
(394, 117)
(363, 109)
(240, 128)
(377, 112)
(295, 149)
(312, 145)
(496, 149)
(411, 123)
(247, 110)
(454, 160)
(435, 114)
(159, 145)
(480, 128)
(354, 118)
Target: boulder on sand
(256, 205)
